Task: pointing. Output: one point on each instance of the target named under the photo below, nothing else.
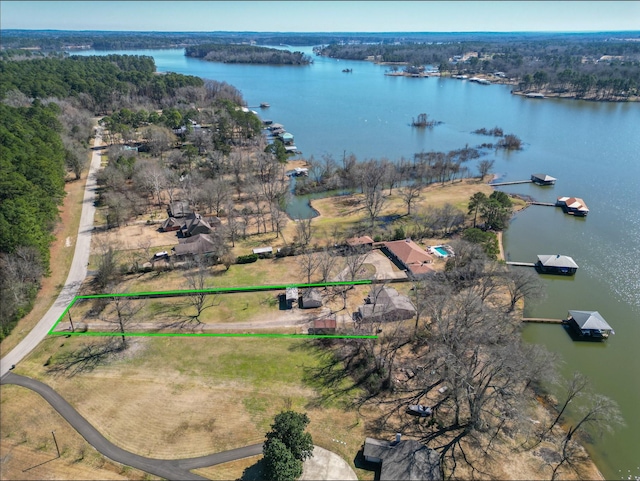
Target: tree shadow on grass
(253, 472)
(85, 358)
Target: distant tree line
(232, 53)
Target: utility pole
(53, 433)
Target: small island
(234, 53)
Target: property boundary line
(216, 290)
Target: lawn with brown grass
(174, 397)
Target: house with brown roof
(385, 304)
(410, 256)
(194, 225)
(199, 244)
(364, 240)
(403, 459)
(323, 327)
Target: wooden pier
(547, 204)
(543, 320)
(521, 264)
(512, 182)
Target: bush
(248, 259)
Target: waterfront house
(573, 206)
(589, 325)
(311, 299)
(556, 264)
(410, 256)
(402, 459)
(323, 327)
(384, 304)
(543, 179)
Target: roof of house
(194, 221)
(173, 222)
(574, 203)
(324, 324)
(386, 300)
(180, 208)
(358, 241)
(406, 460)
(411, 255)
(590, 320)
(198, 244)
(557, 261)
(543, 177)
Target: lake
(593, 149)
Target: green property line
(217, 290)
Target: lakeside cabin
(543, 179)
(573, 206)
(556, 264)
(589, 325)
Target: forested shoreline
(247, 54)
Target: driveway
(77, 272)
(327, 466)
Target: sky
(323, 16)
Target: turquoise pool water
(442, 251)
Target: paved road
(77, 273)
(177, 469)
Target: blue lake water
(593, 149)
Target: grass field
(175, 397)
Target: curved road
(77, 272)
(177, 469)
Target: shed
(323, 327)
(364, 240)
(543, 179)
(263, 252)
(291, 296)
(403, 460)
(556, 264)
(311, 298)
(589, 324)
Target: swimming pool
(441, 250)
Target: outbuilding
(589, 325)
(556, 264)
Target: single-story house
(589, 324)
(311, 298)
(179, 208)
(364, 240)
(556, 264)
(403, 460)
(323, 327)
(172, 224)
(195, 224)
(543, 179)
(573, 206)
(384, 304)
(413, 258)
(196, 245)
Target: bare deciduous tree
(410, 193)
(308, 262)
